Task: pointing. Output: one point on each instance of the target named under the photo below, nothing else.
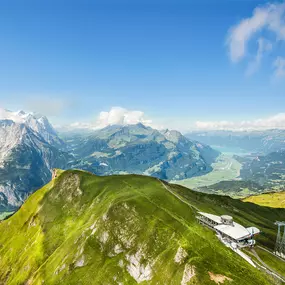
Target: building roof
(212, 217)
(226, 217)
(235, 230)
(253, 230)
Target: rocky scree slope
(85, 229)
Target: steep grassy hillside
(85, 229)
(274, 200)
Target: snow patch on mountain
(36, 122)
(29, 149)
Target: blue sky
(172, 60)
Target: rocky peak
(173, 136)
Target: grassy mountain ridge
(85, 229)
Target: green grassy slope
(274, 200)
(272, 261)
(85, 229)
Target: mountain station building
(229, 231)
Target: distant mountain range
(30, 147)
(251, 141)
(141, 150)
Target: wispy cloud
(279, 66)
(273, 122)
(264, 46)
(270, 17)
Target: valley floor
(225, 168)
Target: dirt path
(178, 196)
(273, 272)
(263, 248)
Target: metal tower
(280, 241)
(283, 243)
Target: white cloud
(270, 17)
(116, 116)
(263, 46)
(279, 65)
(243, 31)
(121, 116)
(273, 122)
